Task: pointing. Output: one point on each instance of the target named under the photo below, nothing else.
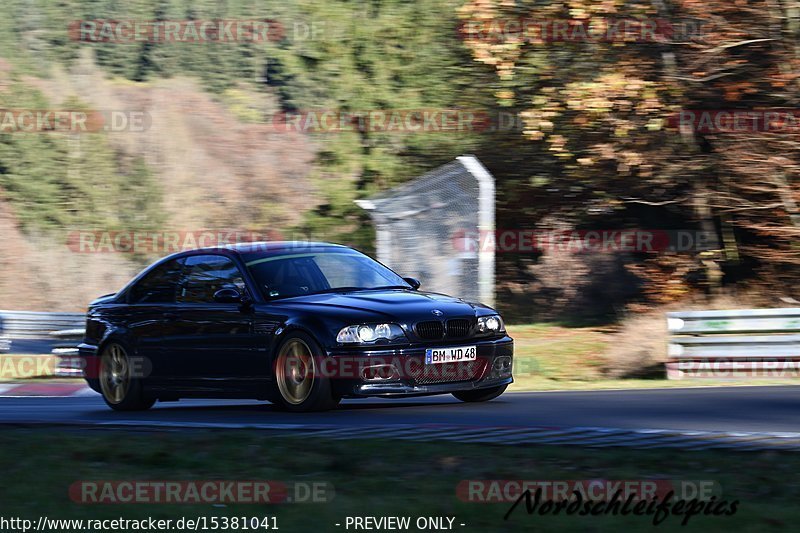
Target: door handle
(170, 316)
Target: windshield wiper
(352, 289)
(340, 289)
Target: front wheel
(480, 395)
(121, 391)
(301, 386)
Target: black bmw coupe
(299, 324)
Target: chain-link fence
(427, 229)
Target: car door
(211, 341)
(150, 302)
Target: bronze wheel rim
(115, 374)
(295, 371)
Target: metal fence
(37, 325)
(734, 343)
(431, 227)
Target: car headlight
(490, 324)
(368, 333)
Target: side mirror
(227, 296)
(414, 282)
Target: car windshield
(298, 274)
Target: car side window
(204, 275)
(158, 286)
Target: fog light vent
(380, 373)
(501, 367)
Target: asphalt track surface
(724, 409)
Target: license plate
(437, 356)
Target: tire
(299, 386)
(480, 395)
(120, 390)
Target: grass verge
(373, 477)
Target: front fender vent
(264, 327)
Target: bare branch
(647, 202)
(734, 45)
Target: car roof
(246, 248)
(272, 246)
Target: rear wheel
(301, 386)
(480, 395)
(120, 389)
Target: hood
(395, 305)
(106, 298)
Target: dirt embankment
(215, 170)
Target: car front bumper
(493, 369)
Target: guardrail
(66, 330)
(66, 351)
(35, 325)
(734, 343)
